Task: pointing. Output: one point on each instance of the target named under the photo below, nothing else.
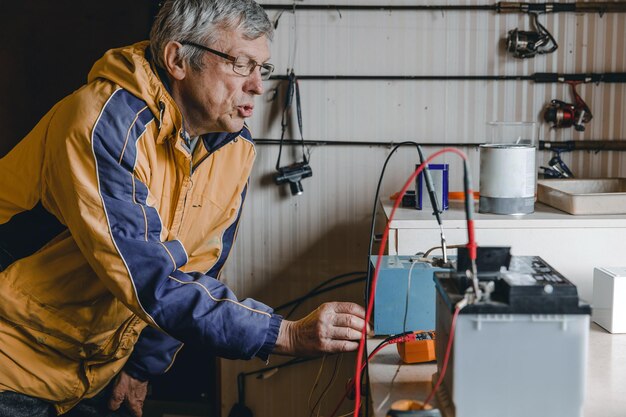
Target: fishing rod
(559, 113)
(583, 145)
(389, 144)
(499, 7)
(521, 43)
(538, 77)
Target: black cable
(428, 179)
(372, 227)
(374, 212)
(290, 362)
(313, 292)
(343, 284)
(328, 281)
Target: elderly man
(140, 176)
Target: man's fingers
(117, 398)
(345, 333)
(349, 308)
(337, 346)
(350, 321)
(135, 407)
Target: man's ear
(176, 66)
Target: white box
(584, 196)
(609, 298)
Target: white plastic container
(584, 196)
(609, 298)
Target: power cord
(434, 204)
(319, 289)
(471, 245)
(240, 409)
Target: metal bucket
(508, 179)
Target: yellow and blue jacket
(131, 230)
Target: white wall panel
(287, 245)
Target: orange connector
(422, 349)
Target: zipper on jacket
(188, 186)
(209, 153)
(161, 112)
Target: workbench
(605, 386)
(573, 245)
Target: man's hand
(130, 391)
(332, 327)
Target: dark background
(47, 48)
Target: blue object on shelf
(391, 289)
(439, 174)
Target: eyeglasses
(241, 65)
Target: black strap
(292, 87)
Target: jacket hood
(129, 68)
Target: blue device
(390, 300)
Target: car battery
(522, 353)
(390, 301)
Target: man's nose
(254, 84)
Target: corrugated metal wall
(289, 244)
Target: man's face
(215, 98)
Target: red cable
(383, 245)
(404, 338)
(351, 383)
(446, 358)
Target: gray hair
(203, 21)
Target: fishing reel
(557, 168)
(562, 114)
(293, 174)
(527, 44)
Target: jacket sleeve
(153, 354)
(91, 184)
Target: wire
(408, 292)
(439, 247)
(384, 401)
(370, 303)
(446, 358)
(317, 291)
(290, 362)
(374, 212)
(402, 337)
(333, 377)
(317, 380)
(326, 282)
(343, 284)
